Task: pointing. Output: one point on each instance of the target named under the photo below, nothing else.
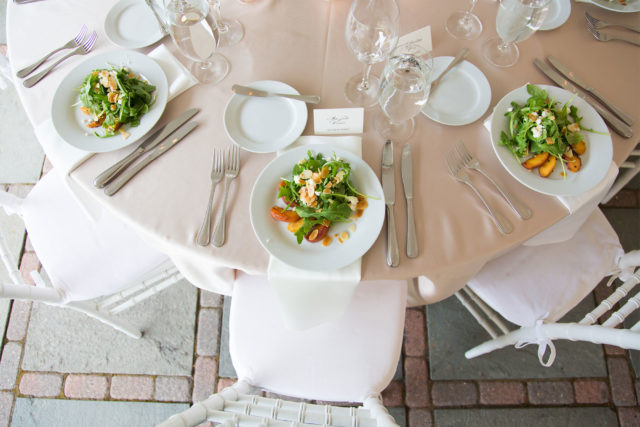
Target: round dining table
(302, 43)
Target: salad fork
(605, 37)
(231, 171)
(456, 170)
(599, 23)
(217, 171)
(471, 162)
(68, 45)
(80, 50)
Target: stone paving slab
(83, 413)
(225, 369)
(452, 331)
(62, 340)
(526, 417)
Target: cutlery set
(79, 45)
(594, 25)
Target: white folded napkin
(309, 298)
(66, 158)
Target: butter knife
(566, 71)
(167, 144)
(147, 145)
(407, 181)
(618, 125)
(389, 190)
(249, 91)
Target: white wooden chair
(351, 359)
(96, 266)
(533, 287)
(628, 170)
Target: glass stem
(214, 5)
(364, 84)
(467, 14)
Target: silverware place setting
(217, 172)
(231, 169)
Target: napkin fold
(66, 158)
(309, 298)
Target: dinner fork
(68, 45)
(231, 171)
(471, 162)
(605, 37)
(217, 171)
(80, 50)
(599, 23)
(456, 169)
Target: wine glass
(516, 21)
(196, 35)
(371, 33)
(404, 89)
(462, 24)
(231, 30)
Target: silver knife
(407, 181)
(147, 145)
(617, 124)
(389, 190)
(168, 143)
(565, 71)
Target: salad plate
(71, 124)
(614, 5)
(131, 24)
(462, 97)
(559, 12)
(281, 243)
(265, 125)
(595, 161)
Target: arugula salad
(114, 97)
(318, 194)
(543, 134)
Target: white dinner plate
(70, 122)
(595, 161)
(282, 244)
(265, 125)
(559, 11)
(131, 24)
(631, 6)
(462, 96)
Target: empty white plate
(559, 11)
(462, 96)
(131, 24)
(265, 124)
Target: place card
(421, 37)
(338, 121)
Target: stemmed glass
(371, 33)
(231, 30)
(196, 35)
(515, 22)
(404, 89)
(462, 24)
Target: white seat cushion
(83, 257)
(545, 282)
(344, 360)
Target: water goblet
(231, 30)
(404, 89)
(463, 24)
(195, 33)
(516, 21)
(371, 33)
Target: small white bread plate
(559, 11)
(462, 97)
(265, 124)
(130, 24)
(595, 161)
(282, 244)
(70, 123)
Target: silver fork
(605, 37)
(68, 45)
(599, 23)
(231, 171)
(456, 169)
(217, 171)
(471, 162)
(80, 50)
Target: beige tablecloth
(301, 42)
